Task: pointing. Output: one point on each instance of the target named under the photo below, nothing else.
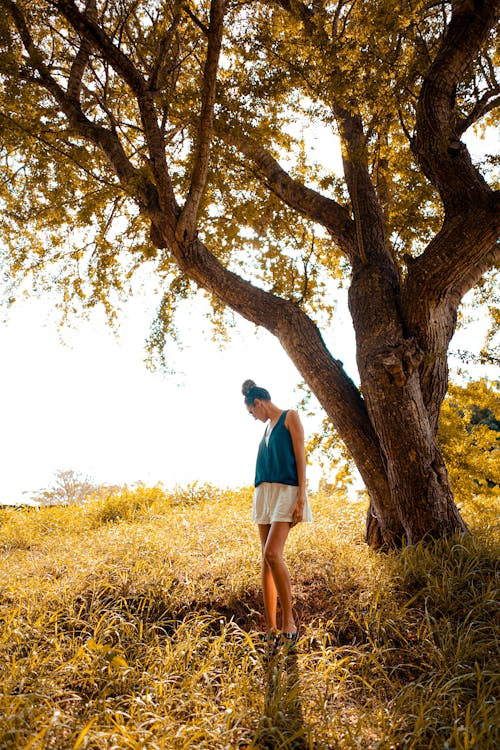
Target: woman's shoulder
(291, 417)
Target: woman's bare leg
(273, 558)
(269, 592)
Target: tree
(69, 488)
(177, 118)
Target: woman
(280, 502)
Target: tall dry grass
(133, 622)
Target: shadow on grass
(282, 722)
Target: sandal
(268, 640)
(286, 641)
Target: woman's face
(257, 410)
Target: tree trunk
(388, 366)
(416, 474)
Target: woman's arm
(294, 426)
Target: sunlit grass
(134, 621)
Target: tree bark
(388, 366)
(390, 380)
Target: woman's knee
(272, 557)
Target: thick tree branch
(457, 253)
(327, 212)
(123, 66)
(371, 241)
(434, 287)
(443, 158)
(187, 219)
(88, 28)
(461, 251)
(469, 280)
(133, 181)
(196, 20)
(164, 50)
(81, 59)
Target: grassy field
(134, 621)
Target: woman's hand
(297, 514)
(298, 508)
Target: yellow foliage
(469, 435)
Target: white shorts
(274, 502)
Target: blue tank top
(276, 460)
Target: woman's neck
(273, 412)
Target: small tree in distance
(70, 487)
(181, 117)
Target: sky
(83, 399)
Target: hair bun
(247, 386)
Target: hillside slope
(134, 622)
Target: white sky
(91, 404)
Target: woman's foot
(268, 639)
(286, 641)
